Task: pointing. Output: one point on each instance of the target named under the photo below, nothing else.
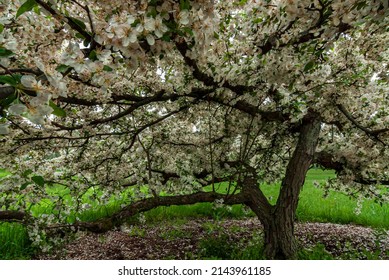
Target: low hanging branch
(328, 161)
(147, 204)
(13, 216)
(106, 224)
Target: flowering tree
(178, 95)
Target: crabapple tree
(178, 95)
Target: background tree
(177, 95)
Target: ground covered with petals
(226, 239)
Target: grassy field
(313, 207)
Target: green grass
(338, 207)
(14, 242)
(313, 207)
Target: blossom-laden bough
(178, 95)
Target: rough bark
(279, 230)
(278, 220)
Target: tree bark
(280, 241)
(11, 216)
(278, 220)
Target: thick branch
(326, 160)
(183, 47)
(299, 163)
(105, 224)
(12, 216)
(154, 202)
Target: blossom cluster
(166, 97)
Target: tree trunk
(278, 220)
(279, 237)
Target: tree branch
(183, 47)
(326, 160)
(12, 216)
(105, 224)
(372, 133)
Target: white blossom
(150, 39)
(4, 129)
(228, 84)
(183, 17)
(17, 109)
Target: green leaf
(1, 28)
(24, 186)
(242, 2)
(8, 101)
(93, 55)
(27, 6)
(135, 23)
(59, 112)
(86, 42)
(166, 38)
(5, 52)
(8, 80)
(80, 36)
(107, 68)
(80, 23)
(309, 66)
(62, 68)
(184, 4)
(27, 173)
(188, 31)
(291, 85)
(37, 10)
(38, 180)
(153, 12)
